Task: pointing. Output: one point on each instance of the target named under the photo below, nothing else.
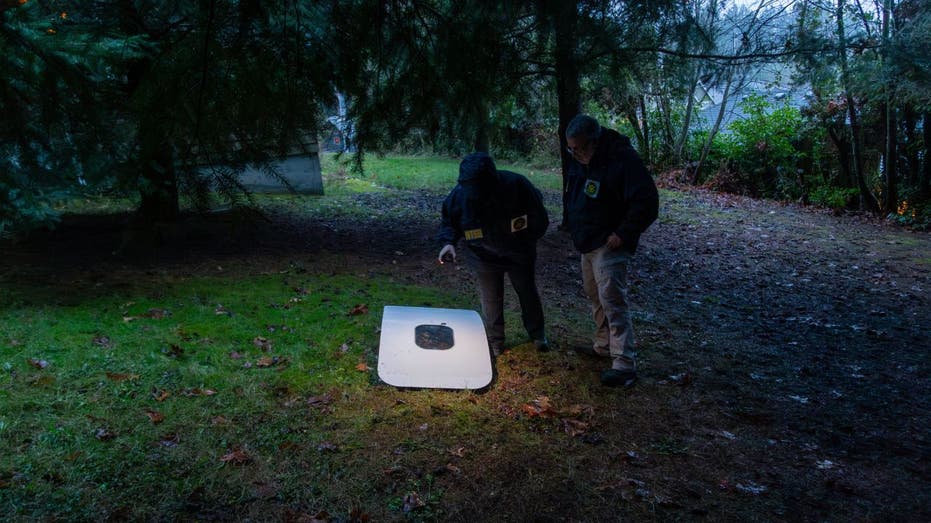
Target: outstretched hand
(614, 242)
(447, 253)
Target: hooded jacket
(613, 193)
(499, 214)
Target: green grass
(230, 364)
(415, 172)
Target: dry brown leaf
(160, 394)
(362, 367)
(323, 399)
(266, 361)
(359, 309)
(574, 427)
(539, 407)
(262, 343)
(155, 416)
(236, 457)
(578, 411)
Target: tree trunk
(563, 15)
(646, 147)
(159, 188)
(890, 161)
(843, 157)
(925, 185)
(867, 200)
(158, 185)
(890, 156)
(696, 173)
(687, 122)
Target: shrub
(833, 197)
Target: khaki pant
(604, 275)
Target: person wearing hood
(499, 215)
(610, 200)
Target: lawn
(228, 372)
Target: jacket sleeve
(449, 232)
(642, 201)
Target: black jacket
(500, 227)
(613, 193)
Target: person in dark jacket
(610, 200)
(500, 216)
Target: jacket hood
(478, 169)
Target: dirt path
(792, 344)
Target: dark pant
(491, 288)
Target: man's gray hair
(583, 126)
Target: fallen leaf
(321, 400)
(103, 434)
(751, 488)
(169, 440)
(155, 417)
(219, 420)
(198, 392)
(102, 342)
(458, 452)
(262, 343)
(266, 361)
(235, 355)
(221, 310)
(39, 364)
(359, 309)
(574, 427)
(236, 457)
(160, 395)
(326, 446)
(539, 407)
(362, 367)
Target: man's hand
(614, 241)
(447, 253)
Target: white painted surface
(402, 363)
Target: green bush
(833, 197)
(914, 215)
